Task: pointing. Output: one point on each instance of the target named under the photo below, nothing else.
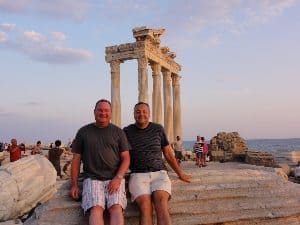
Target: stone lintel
(136, 50)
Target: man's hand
(114, 185)
(185, 177)
(75, 192)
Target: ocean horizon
(269, 145)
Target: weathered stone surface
(24, 184)
(260, 158)
(221, 193)
(227, 147)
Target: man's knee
(160, 198)
(115, 209)
(96, 210)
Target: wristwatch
(119, 176)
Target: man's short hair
(102, 100)
(38, 142)
(57, 143)
(142, 103)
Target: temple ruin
(147, 51)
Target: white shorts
(95, 192)
(147, 183)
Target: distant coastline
(288, 144)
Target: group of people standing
(200, 148)
(108, 153)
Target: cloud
(7, 26)
(58, 36)
(2, 36)
(45, 48)
(32, 104)
(71, 9)
(216, 18)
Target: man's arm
(168, 153)
(116, 181)
(75, 169)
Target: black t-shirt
(146, 147)
(100, 150)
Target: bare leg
(96, 216)
(116, 215)
(160, 200)
(145, 207)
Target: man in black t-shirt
(149, 180)
(103, 149)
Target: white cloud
(7, 26)
(58, 36)
(2, 36)
(33, 36)
(50, 49)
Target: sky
(240, 64)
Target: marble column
(176, 106)
(143, 79)
(168, 107)
(156, 94)
(115, 93)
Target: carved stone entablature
(145, 33)
(171, 55)
(144, 47)
(164, 49)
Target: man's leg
(145, 207)
(160, 200)
(96, 216)
(116, 215)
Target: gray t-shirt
(100, 150)
(146, 147)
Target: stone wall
(228, 147)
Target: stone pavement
(220, 194)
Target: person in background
(37, 149)
(178, 148)
(205, 152)
(54, 157)
(23, 147)
(149, 181)
(103, 149)
(14, 150)
(198, 150)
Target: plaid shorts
(95, 192)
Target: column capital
(142, 62)
(156, 69)
(115, 66)
(175, 79)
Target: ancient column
(115, 92)
(168, 107)
(143, 79)
(156, 94)
(176, 106)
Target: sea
(265, 145)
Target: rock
(297, 172)
(221, 193)
(227, 147)
(24, 184)
(260, 158)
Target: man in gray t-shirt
(103, 149)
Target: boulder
(227, 147)
(24, 184)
